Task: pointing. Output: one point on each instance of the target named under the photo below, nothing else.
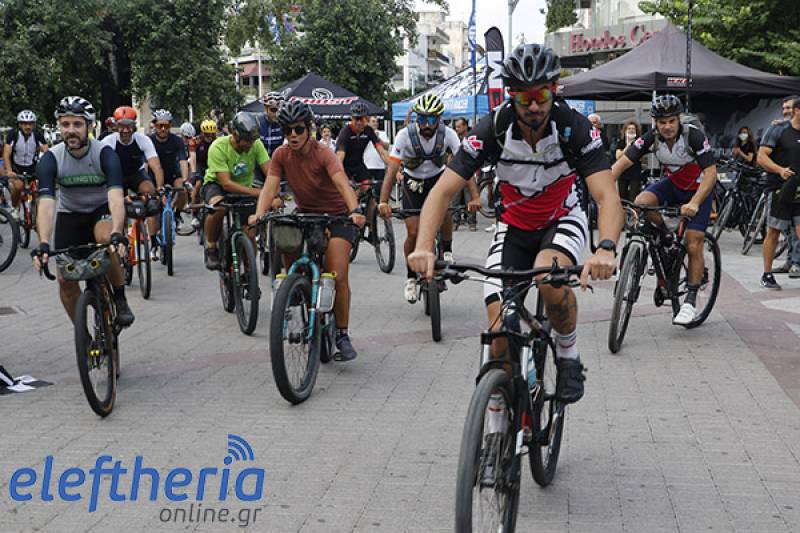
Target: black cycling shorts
(131, 183)
(516, 248)
(358, 174)
(74, 229)
(415, 190)
(213, 189)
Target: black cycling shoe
(212, 258)
(345, 349)
(569, 385)
(124, 314)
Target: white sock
(567, 345)
(497, 420)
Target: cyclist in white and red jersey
(690, 173)
(541, 146)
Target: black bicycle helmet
(359, 109)
(245, 126)
(530, 64)
(295, 111)
(667, 105)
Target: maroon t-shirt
(310, 175)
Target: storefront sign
(603, 39)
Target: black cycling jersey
(353, 146)
(170, 152)
(784, 141)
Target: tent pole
(689, 59)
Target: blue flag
(471, 35)
(273, 28)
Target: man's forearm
(158, 172)
(473, 188)
(44, 218)
(766, 162)
(706, 186)
(388, 181)
(116, 204)
(184, 170)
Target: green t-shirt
(223, 158)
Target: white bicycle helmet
(26, 115)
(162, 114)
(187, 130)
(75, 106)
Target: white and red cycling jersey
(537, 185)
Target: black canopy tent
(327, 100)
(660, 65)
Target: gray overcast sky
(527, 18)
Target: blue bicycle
(166, 236)
(303, 324)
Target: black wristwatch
(608, 245)
(357, 211)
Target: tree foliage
(762, 34)
(111, 50)
(353, 43)
(559, 13)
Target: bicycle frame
(134, 236)
(306, 261)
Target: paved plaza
(683, 430)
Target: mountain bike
(524, 417)
(238, 274)
(26, 209)
(669, 262)
(167, 234)
(138, 210)
(303, 324)
(739, 201)
(378, 231)
(429, 291)
(96, 328)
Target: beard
(426, 132)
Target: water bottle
(327, 292)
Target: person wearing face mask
(744, 149)
(630, 181)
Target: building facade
(435, 57)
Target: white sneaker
(154, 254)
(410, 290)
(195, 223)
(685, 316)
(448, 257)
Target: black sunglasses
(298, 130)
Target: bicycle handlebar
(558, 275)
(304, 218)
(68, 250)
(665, 209)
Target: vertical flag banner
(494, 61)
(472, 36)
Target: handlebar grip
(46, 272)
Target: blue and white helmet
(26, 115)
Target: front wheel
(625, 294)
(24, 225)
(94, 348)
(143, 259)
(486, 190)
(9, 239)
(756, 225)
(294, 340)
(246, 292)
(487, 482)
(709, 284)
(433, 308)
(167, 242)
(547, 415)
(384, 243)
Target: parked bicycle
(238, 274)
(96, 328)
(669, 262)
(525, 416)
(303, 322)
(757, 226)
(378, 231)
(26, 209)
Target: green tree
(559, 13)
(353, 43)
(111, 50)
(762, 34)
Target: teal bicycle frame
(306, 261)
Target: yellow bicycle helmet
(208, 126)
(430, 104)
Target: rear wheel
(756, 225)
(724, 216)
(294, 350)
(94, 348)
(625, 295)
(9, 239)
(486, 190)
(487, 482)
(246, 293)
(547, 416)
(709, 285)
